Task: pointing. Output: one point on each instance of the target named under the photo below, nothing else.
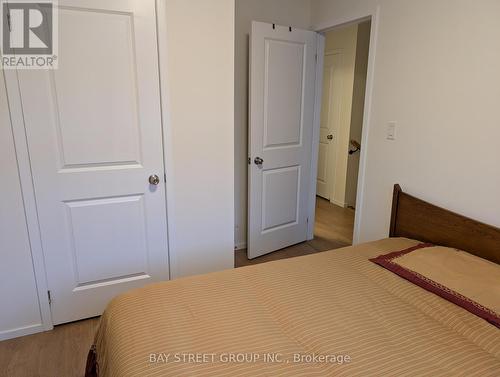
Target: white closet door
(94, 136)
(282, 90)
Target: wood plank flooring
(62, 352)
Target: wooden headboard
(414, 218)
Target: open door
(282, 94)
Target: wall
(198, 96)
(436, 74)
(284, 12)
(358, 104)
(20, 313)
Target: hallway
(333, 223)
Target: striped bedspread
(329, 314)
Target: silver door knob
(258, 161)
(330, 137)
(154, 179)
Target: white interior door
(94, 136)
(331, 103)
(282, 89)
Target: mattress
(329, 314)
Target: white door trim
(320, 49)
(161, 39)
(374, 15)
(28, 194)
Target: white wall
(436, 74)
(198, 90)
(20, 311)
(284, 12)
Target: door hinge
(8, 20)
(307, 220)
(249, 161)
(49, 297)
(165, 177)
(316, 57)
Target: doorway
(345, 64)
(332, 166)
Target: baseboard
(337, 203)
(21, 331)
(240, 245)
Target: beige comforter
(329, 314)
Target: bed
(329, 314)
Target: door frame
(356, 17)
(29, 202)
(27, 184)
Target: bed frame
(414, 218)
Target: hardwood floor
(62, 352)
(333, 222)
(332, 229)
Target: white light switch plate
(391, 131)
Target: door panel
(321, 177)
(284, 76)
(280, 199)
(94, 136)
(95, 59)
(282, 86)
(103, 247)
